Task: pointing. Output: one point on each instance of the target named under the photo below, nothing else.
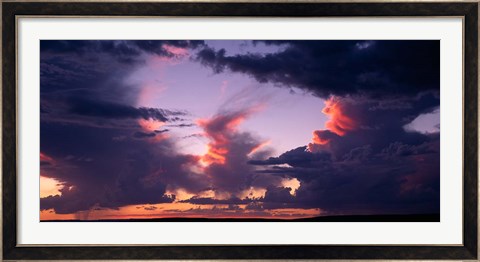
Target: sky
(238, 128)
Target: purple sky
(203, 94)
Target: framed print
(239, 130)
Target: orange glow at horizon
(51, 215)
(180, 210)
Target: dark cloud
(96, 70)
(126, 173)
(144, 135)
(104, 114)
(376, 166)
(113, 110)
(124, 50)
(278, 195)
(182, 125)
(376, 68)
(213, 201)
(82, 83)
(375, 127)
(89, 110)
(397, 149)
(359, 154)
(150, 208)
(295, 157)
(194, 135)
(161, 131)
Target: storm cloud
(378, 166)
(376, 68)
(89, 111)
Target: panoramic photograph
(240, 130)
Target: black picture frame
(468, 10)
